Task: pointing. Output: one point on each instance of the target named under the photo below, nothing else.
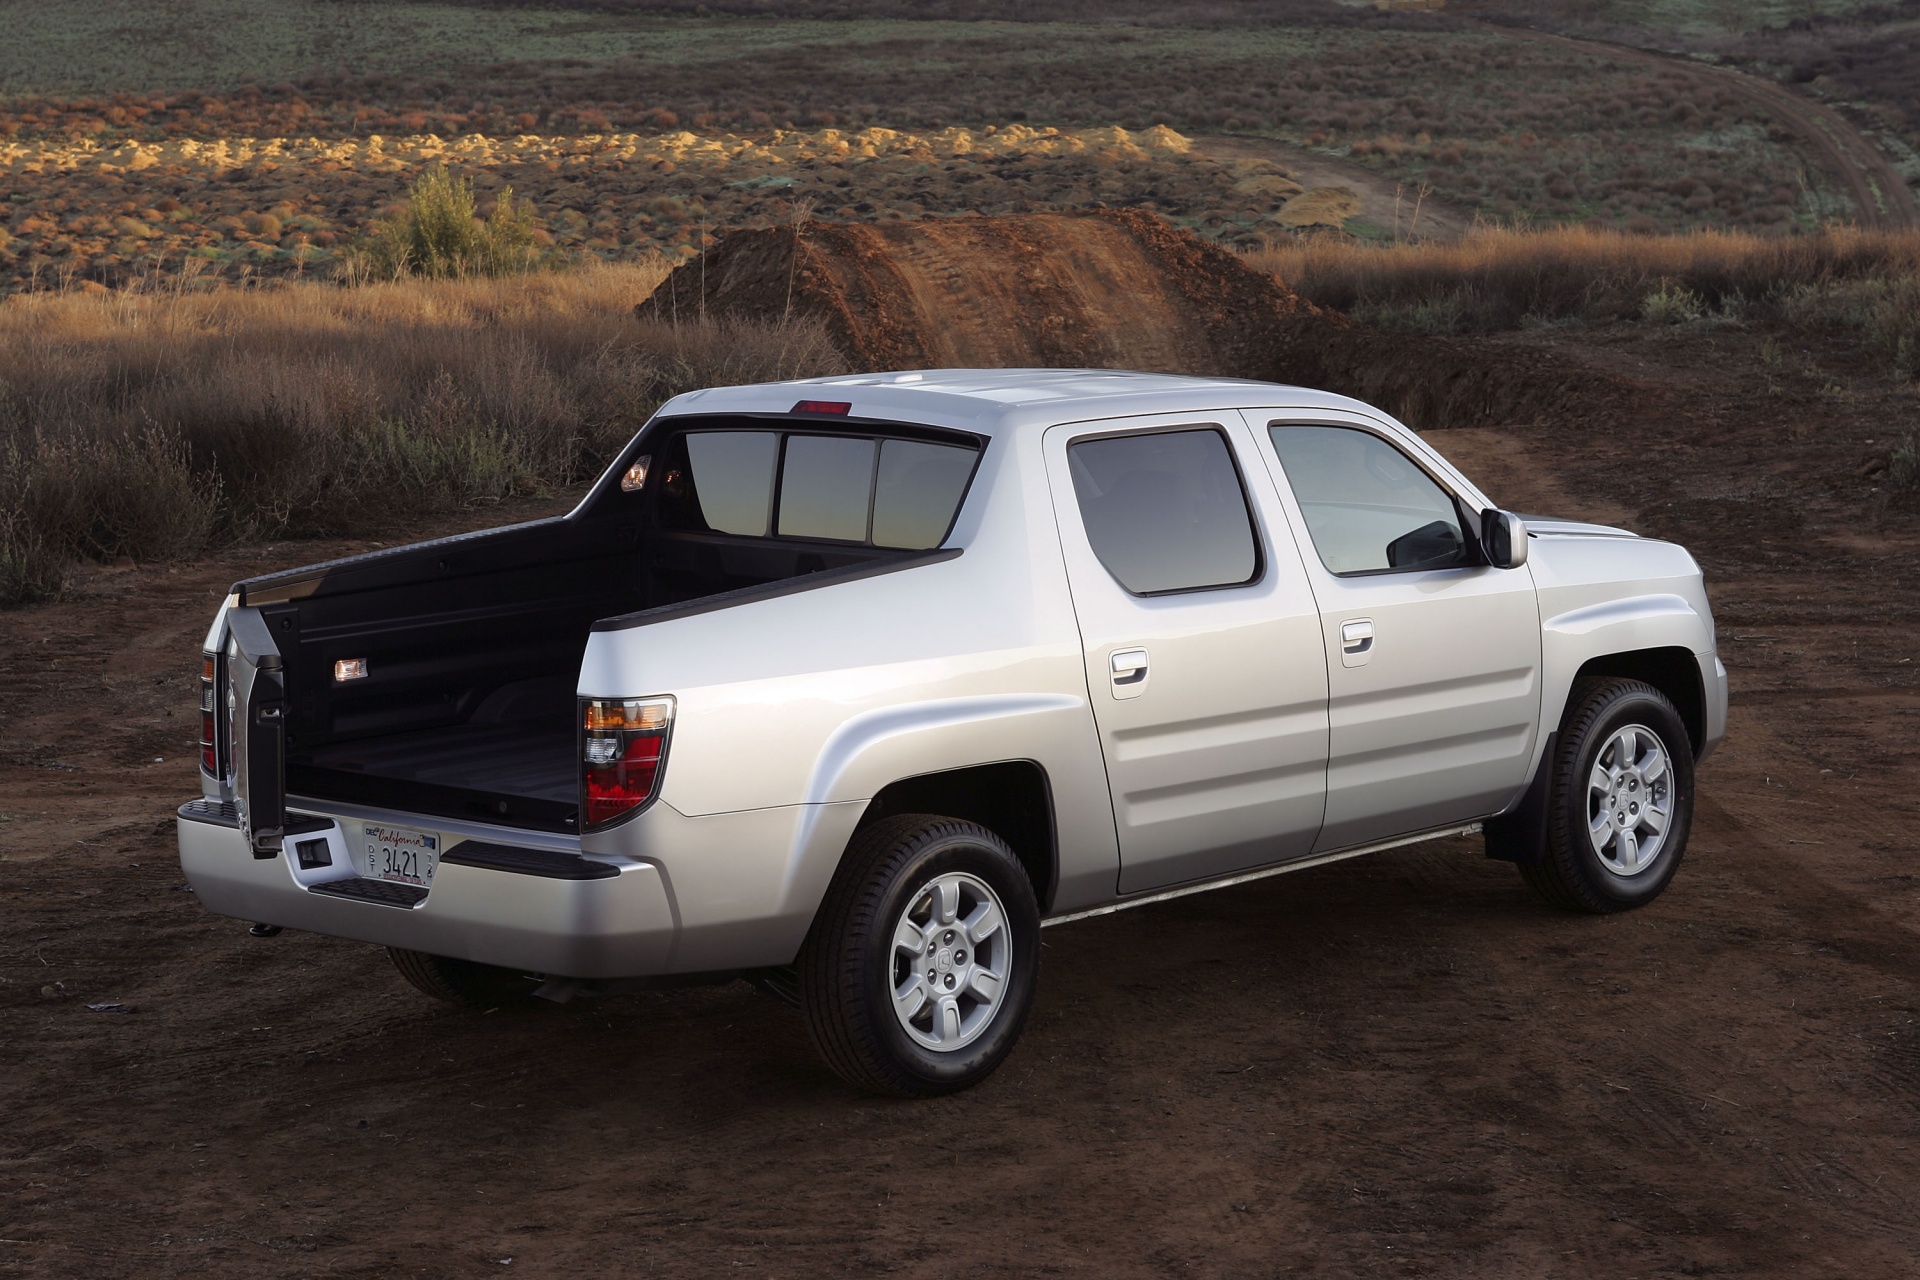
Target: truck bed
(519, 774)
(465, 652)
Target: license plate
(400, 855)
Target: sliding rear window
(879, 491)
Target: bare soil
(1116, 289)
(1397, 1066)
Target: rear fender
(1055, 731)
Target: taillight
(623, 753)
(209, 753)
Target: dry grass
(150, 424)
(290, 208)
(1497, 280)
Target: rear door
(1202, 644)
(1433, 656)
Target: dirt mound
(1112, 289)
(1102, 289)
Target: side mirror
(1503, 536)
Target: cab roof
(991, 400)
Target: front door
(1202, 645)
(1433, 655)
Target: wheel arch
(1519, 833)
(1011, 798)
(1672, 669)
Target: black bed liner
(514, 775)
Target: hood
(1554, 527)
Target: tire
(896, 876)
(463, 982)
(1624, 749)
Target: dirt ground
(1395, 1066)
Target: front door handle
(1129, 670)
(1356, 641)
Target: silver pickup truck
(850, 686)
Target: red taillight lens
(623, 751)
(838, 408)
(209, 754)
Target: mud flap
(256, 704)
(1520, 834)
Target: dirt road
(1880, 195)
(1397, 1066)
(1395, 207)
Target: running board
(1317, 860)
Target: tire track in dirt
(1399, 207)
(1877, 190)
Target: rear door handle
(1356, 641)
(1129, 670)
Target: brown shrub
(1497, 280)
(151, 424)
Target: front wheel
(1621, 803)
(920, 969)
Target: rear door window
(1369, 507)
(1165, 510)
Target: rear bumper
(620, 925)
(671, 894)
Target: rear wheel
(465, 982)
(920, 970)
(1621, 803)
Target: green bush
(440, 236)
(1451, 312)
(1672, 304)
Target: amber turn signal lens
(629, 716)
(349, 669)
(636, 477)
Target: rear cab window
(892, 493)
